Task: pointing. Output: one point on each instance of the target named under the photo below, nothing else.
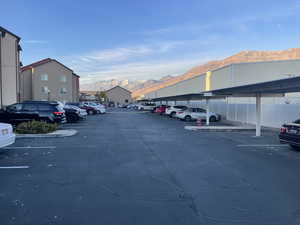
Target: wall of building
(75, 88)
(54, 83)
(193, 85)
(9, 69)
(250, 73)
(119, 95)
(26, 85)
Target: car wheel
(295, 147)
(72, 118)
(212, 119)
(90, 112)
(172, 115)
(188, 118)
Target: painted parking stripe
(31, 147)
(14, 167)
(263, 145)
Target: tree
(101, 96)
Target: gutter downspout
(17, 74)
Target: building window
(45, 90)
(44, 77)
(63, 90)
(63, 78)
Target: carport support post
(207, 111)
(258, 115)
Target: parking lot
(130, 167)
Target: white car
(172, 110)
(99, 107)
(7, 136)
(146, 106)
(197, 113)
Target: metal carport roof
(269, 88)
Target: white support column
(175, 102)
(258, 115)
(207, 111)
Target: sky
(147, 39)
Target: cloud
(125, 53)
(35, 42)
(178, 28)
(145, 70)
(141, 62)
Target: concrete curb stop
(218, 128)
(58, 133)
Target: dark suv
(51, 112)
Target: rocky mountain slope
(244, 56)
(128, 84)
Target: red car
(161, 109)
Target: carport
(275, 88)
(195, 96)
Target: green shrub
(36, 127)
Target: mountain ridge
(240, 57)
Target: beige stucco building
(49, 79)
(9, 67)
(118, 95)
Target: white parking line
(14, 167)
(262, 145)
(31, 147)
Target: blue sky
(142, 39)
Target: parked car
(161, 109)
(74, 113)
(33, 110)
(172, 110)
(290, 134)
(146, 106)
(99, 108)
(197, 113)
(90, 110)
(131, 106)
(7, 136)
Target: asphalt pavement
(127, 168)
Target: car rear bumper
(289, 139)
(7, 140)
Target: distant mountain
(131, 85)
(244, 56)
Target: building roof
(7, 31)
(74, 74)
(42, 62)
(118, 87)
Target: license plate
(4, 131)
(292, 131)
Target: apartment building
(9, 67)
(118, 95)
(50, 80)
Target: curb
(55, 134)
(219, 129)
